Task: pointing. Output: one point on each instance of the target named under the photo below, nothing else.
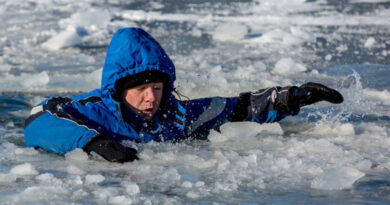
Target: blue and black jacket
(61, 124)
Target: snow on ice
(222, 48)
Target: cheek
(133, 100)
(159, 97)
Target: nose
(149, 95)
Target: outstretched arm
(275, 103)
(265, 105)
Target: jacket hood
(132, 51)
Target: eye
(140, 88)
(156, 87)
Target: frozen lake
(328, 154)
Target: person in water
(136, 102)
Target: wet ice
(219, 48)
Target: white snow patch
(342, 48)
(132, 189)
(104, 194)
(171, 175)
(239, 130)
(79, 194)
(7, 178)
(302, 35)
(10, 124)
(250, 159)
(192, 195)
(370, 42)
(5, 68)
(25, 151)
(92, 20)
(328, 57)
(364, 165)
(20, 113)
(77, 180)
(247, 129)
(4, 41)
(74, 81)
(24, 81)
(216, 137)
(367, 1)
(119, 200)
(166, 156)
(199, 184)
(64, 39)
(230, 32)
(196, 32)
(77, 155)
(380, 96)
(187, 184)
(332, 129)
(156, 5)
(383, 167)
(85, 58)
(94, 178)
(320, 146)
(274, 36)
(72, 169)
(24, 169)
(338, 178)
(40, 194)
(288, 66)
(201, 163)
(49, 179)
(249, 72)
(294, 36)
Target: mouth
(148, 111)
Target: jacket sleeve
(55, 132)
(265, 105)
(207, 113)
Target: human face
(144, 99)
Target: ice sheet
(327, 154)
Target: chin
(148, 117)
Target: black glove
(110, 150)
(252, 105)
(285, 100)
(310, 93)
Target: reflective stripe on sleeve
(36, 109)
(216, 107)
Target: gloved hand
(110, 150)
(273, 104)
(310, 93)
